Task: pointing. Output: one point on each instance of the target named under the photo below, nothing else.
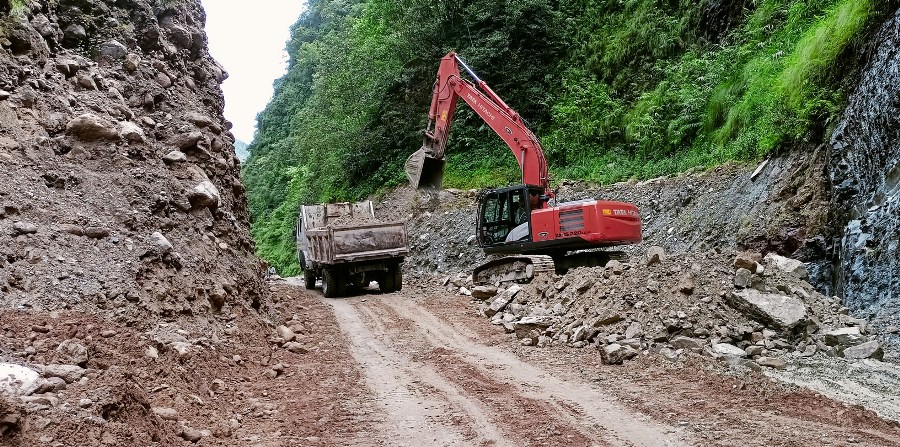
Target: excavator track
(520, 269)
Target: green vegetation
(617, 89)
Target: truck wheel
(309, 279)
(389, 282)
(330, 281)
(398, 279)
(342, 286)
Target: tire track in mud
(531, 420)
(420, 407)
(582, 404)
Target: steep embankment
(126, 263)
(865, 173)
(121, 189)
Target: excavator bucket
(425, 171)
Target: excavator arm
(425, 167)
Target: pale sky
(248, 39)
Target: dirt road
(439, 375)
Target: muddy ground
(411, 368)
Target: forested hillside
(615, 88)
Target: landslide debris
(122, 192)
(747, 310)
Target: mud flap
(425, 171)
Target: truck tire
(386, 282)
(330, 281)
(398, 279)
(391, 281)
(309, 279)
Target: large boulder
(780, 311)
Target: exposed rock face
(865, 172)
(85, 129)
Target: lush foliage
(616, 89)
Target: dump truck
(345, 246)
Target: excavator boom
(425, 168)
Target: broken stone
(772, 362)
(616, 266)
(502, 300)
(742, 278)
(191, 434)
(484, 292)
(285, 333)
(609, 319)
(843, 337)
(728, 349)
(682, 342)
(616, 354)
(24, 228)
(205, 195)
(113, 49)
(183, 349)
(524, 326)
(868, 350)
(295, 347)
(69, 373)
(780, 311)
(16, 380)
(73, 352)
(160, 243)
(132, 62)
(90, 127)
(131, 132)
(174, 157)
(166, 414)
(746, 261)
(686, 284)
(655, 255)
(790, 266)
(634, 330)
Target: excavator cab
(504, 215)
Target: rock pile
(122, 190)
(744, 309)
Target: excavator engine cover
(424, 171)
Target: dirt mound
(122, 191)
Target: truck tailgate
(359, 242)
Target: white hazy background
(248, 39)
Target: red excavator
(519, 219)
